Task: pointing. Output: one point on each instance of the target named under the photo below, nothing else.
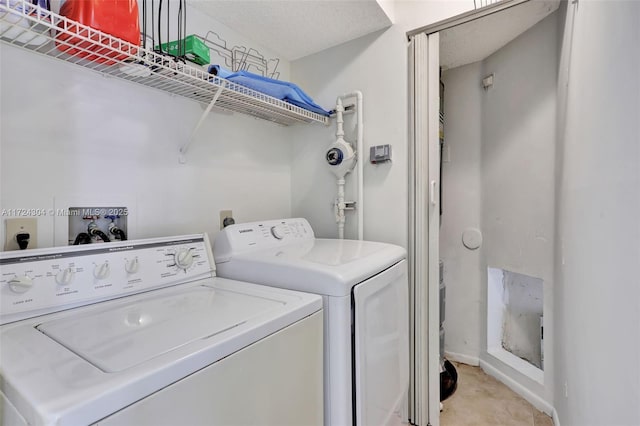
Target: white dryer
(364, 287)
(144, 333)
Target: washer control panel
(245, 237)
(48, 280)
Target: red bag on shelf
(118, 18)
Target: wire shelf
(38, 30)
(479, 4)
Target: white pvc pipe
(340, 211)
(340, 219)
(360, 153)
(339, 118)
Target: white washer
(142, 332)
(365, 294)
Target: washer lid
(49, 383)
(114, 339)
(321, 266)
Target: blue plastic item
(217, 70)
(283, 90)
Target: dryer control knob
(183, 258)
(132, 265)
(102, 271)
(20, 284)
(277, 232)
(65, 276)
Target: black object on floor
(448, 380)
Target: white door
(424, 220)
(381, 338)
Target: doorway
(492, 190)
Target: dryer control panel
(39, 281)
(251, 236)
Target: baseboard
(518, 364)
(556, 419)
(532, 398)
(465, 359)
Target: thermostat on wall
(380, 154)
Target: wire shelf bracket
(185, 146)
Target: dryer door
(381, 338)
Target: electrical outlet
(22, 225)
(224, 214)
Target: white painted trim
(532, 398)
(463, 358)
(414, 368)
(463, 18)
(521, 366)
(555, 418)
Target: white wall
(461, 206)
(376, 64)
(313, 185)
(597, 291)
(71, 136)
(518, 164)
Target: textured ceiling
(297, 28)
(475, 40)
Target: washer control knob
(277, 232)
(20, 284)
(183, 258)
(102, 271)
(65, 276)
(132, 265)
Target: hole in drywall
(515, 320)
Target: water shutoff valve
(334, 156)
(341, 157)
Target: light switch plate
(15, 226)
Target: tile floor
(482, 400)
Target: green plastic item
(195, 49)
